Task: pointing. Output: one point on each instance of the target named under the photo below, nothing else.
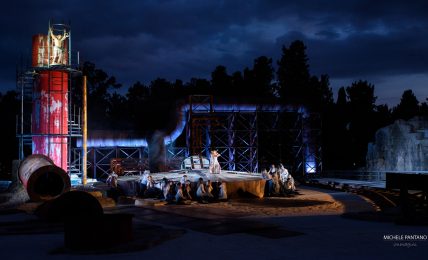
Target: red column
(50, 116)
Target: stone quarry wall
(402, 146)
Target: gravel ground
(306, 226)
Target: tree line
(348, 124)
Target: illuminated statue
(214, 165)
(57, 47)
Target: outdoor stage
(252, 183)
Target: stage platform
(252, 183)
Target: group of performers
(183, 191)
(278, 181)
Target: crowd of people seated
(182, 191)
(278, 181)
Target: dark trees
(351, 124)
(221, 82)
(99, 85)
(197, 86)
(9, 108)
(293, 73)
(361, 125)
(296, 85)
(258, 80)
(255, 83)
(408, 106)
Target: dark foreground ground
(310, 225)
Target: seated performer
(283, 174)
(209, 189)
(187, 190)
(269, 182)
(152, 191)
(170, 196)
(222, 192)
(165, 186)
(179, 196)
(183, 180)
(290, 184)
(201, 193)
(214, 164)
(276, 183)
(112, 180)
(272, 169)
(143, 182)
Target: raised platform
(339, 183)
(236, 182)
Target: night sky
(383, 42)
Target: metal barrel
(42, 178)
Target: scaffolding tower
(28, 79)
(252, 137)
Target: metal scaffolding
(200, 120)
(235, 138)
(251, 137)
(100, 158)
(25, 84)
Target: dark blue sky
(383, 42)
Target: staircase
(74, 128)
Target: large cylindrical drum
(42, 178)
(50, 116)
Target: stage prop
(42, 179)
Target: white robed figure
(214, 164)
(283, 174)
(286, 179)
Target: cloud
(143, 40)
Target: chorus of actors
(182, 191)
(278, 181)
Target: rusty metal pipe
(42, 179)
(85, 133)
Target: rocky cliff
(402, 146)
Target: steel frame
(252, 140)
(99, 158)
